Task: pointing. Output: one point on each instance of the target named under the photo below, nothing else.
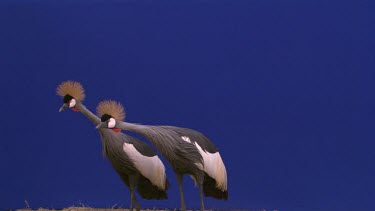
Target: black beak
(101, 125)
(63, 107)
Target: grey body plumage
(178, 152)
(112, 145)
(194, 136)
(209, 183)
(183, 156)
(136, 163)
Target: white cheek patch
(72, 103)
(111, 123)
(150, 167)
(213, 165)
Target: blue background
(285, 89)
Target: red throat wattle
(117, 130)
(75, 109)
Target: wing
(141, 146)
(213, 163)
(194, 136)
(150, 167)
(184, 157)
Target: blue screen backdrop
(285, 90)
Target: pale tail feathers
(213, 166)
(150, 167)
(113, 108)
(221, 173)
(72, 88)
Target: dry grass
(120, 209)
(86, 209)
(90, 208)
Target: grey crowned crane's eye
(108, 120)
(67, 98)
(70, 101)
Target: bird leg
(201, 196)
(180, 179)
(133, 181)
(137, 206)
(134, 199)
(131, 199)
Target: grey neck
(129, 126)
(92, 117)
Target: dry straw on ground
(119, 209)
(90, 209)
(86, 209)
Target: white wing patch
(213, 166)
(150, 167)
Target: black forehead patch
(105, 117)
(67, 98)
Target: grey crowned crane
(188, 152)
(135, 161)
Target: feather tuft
(113, 108)
(72, 88)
